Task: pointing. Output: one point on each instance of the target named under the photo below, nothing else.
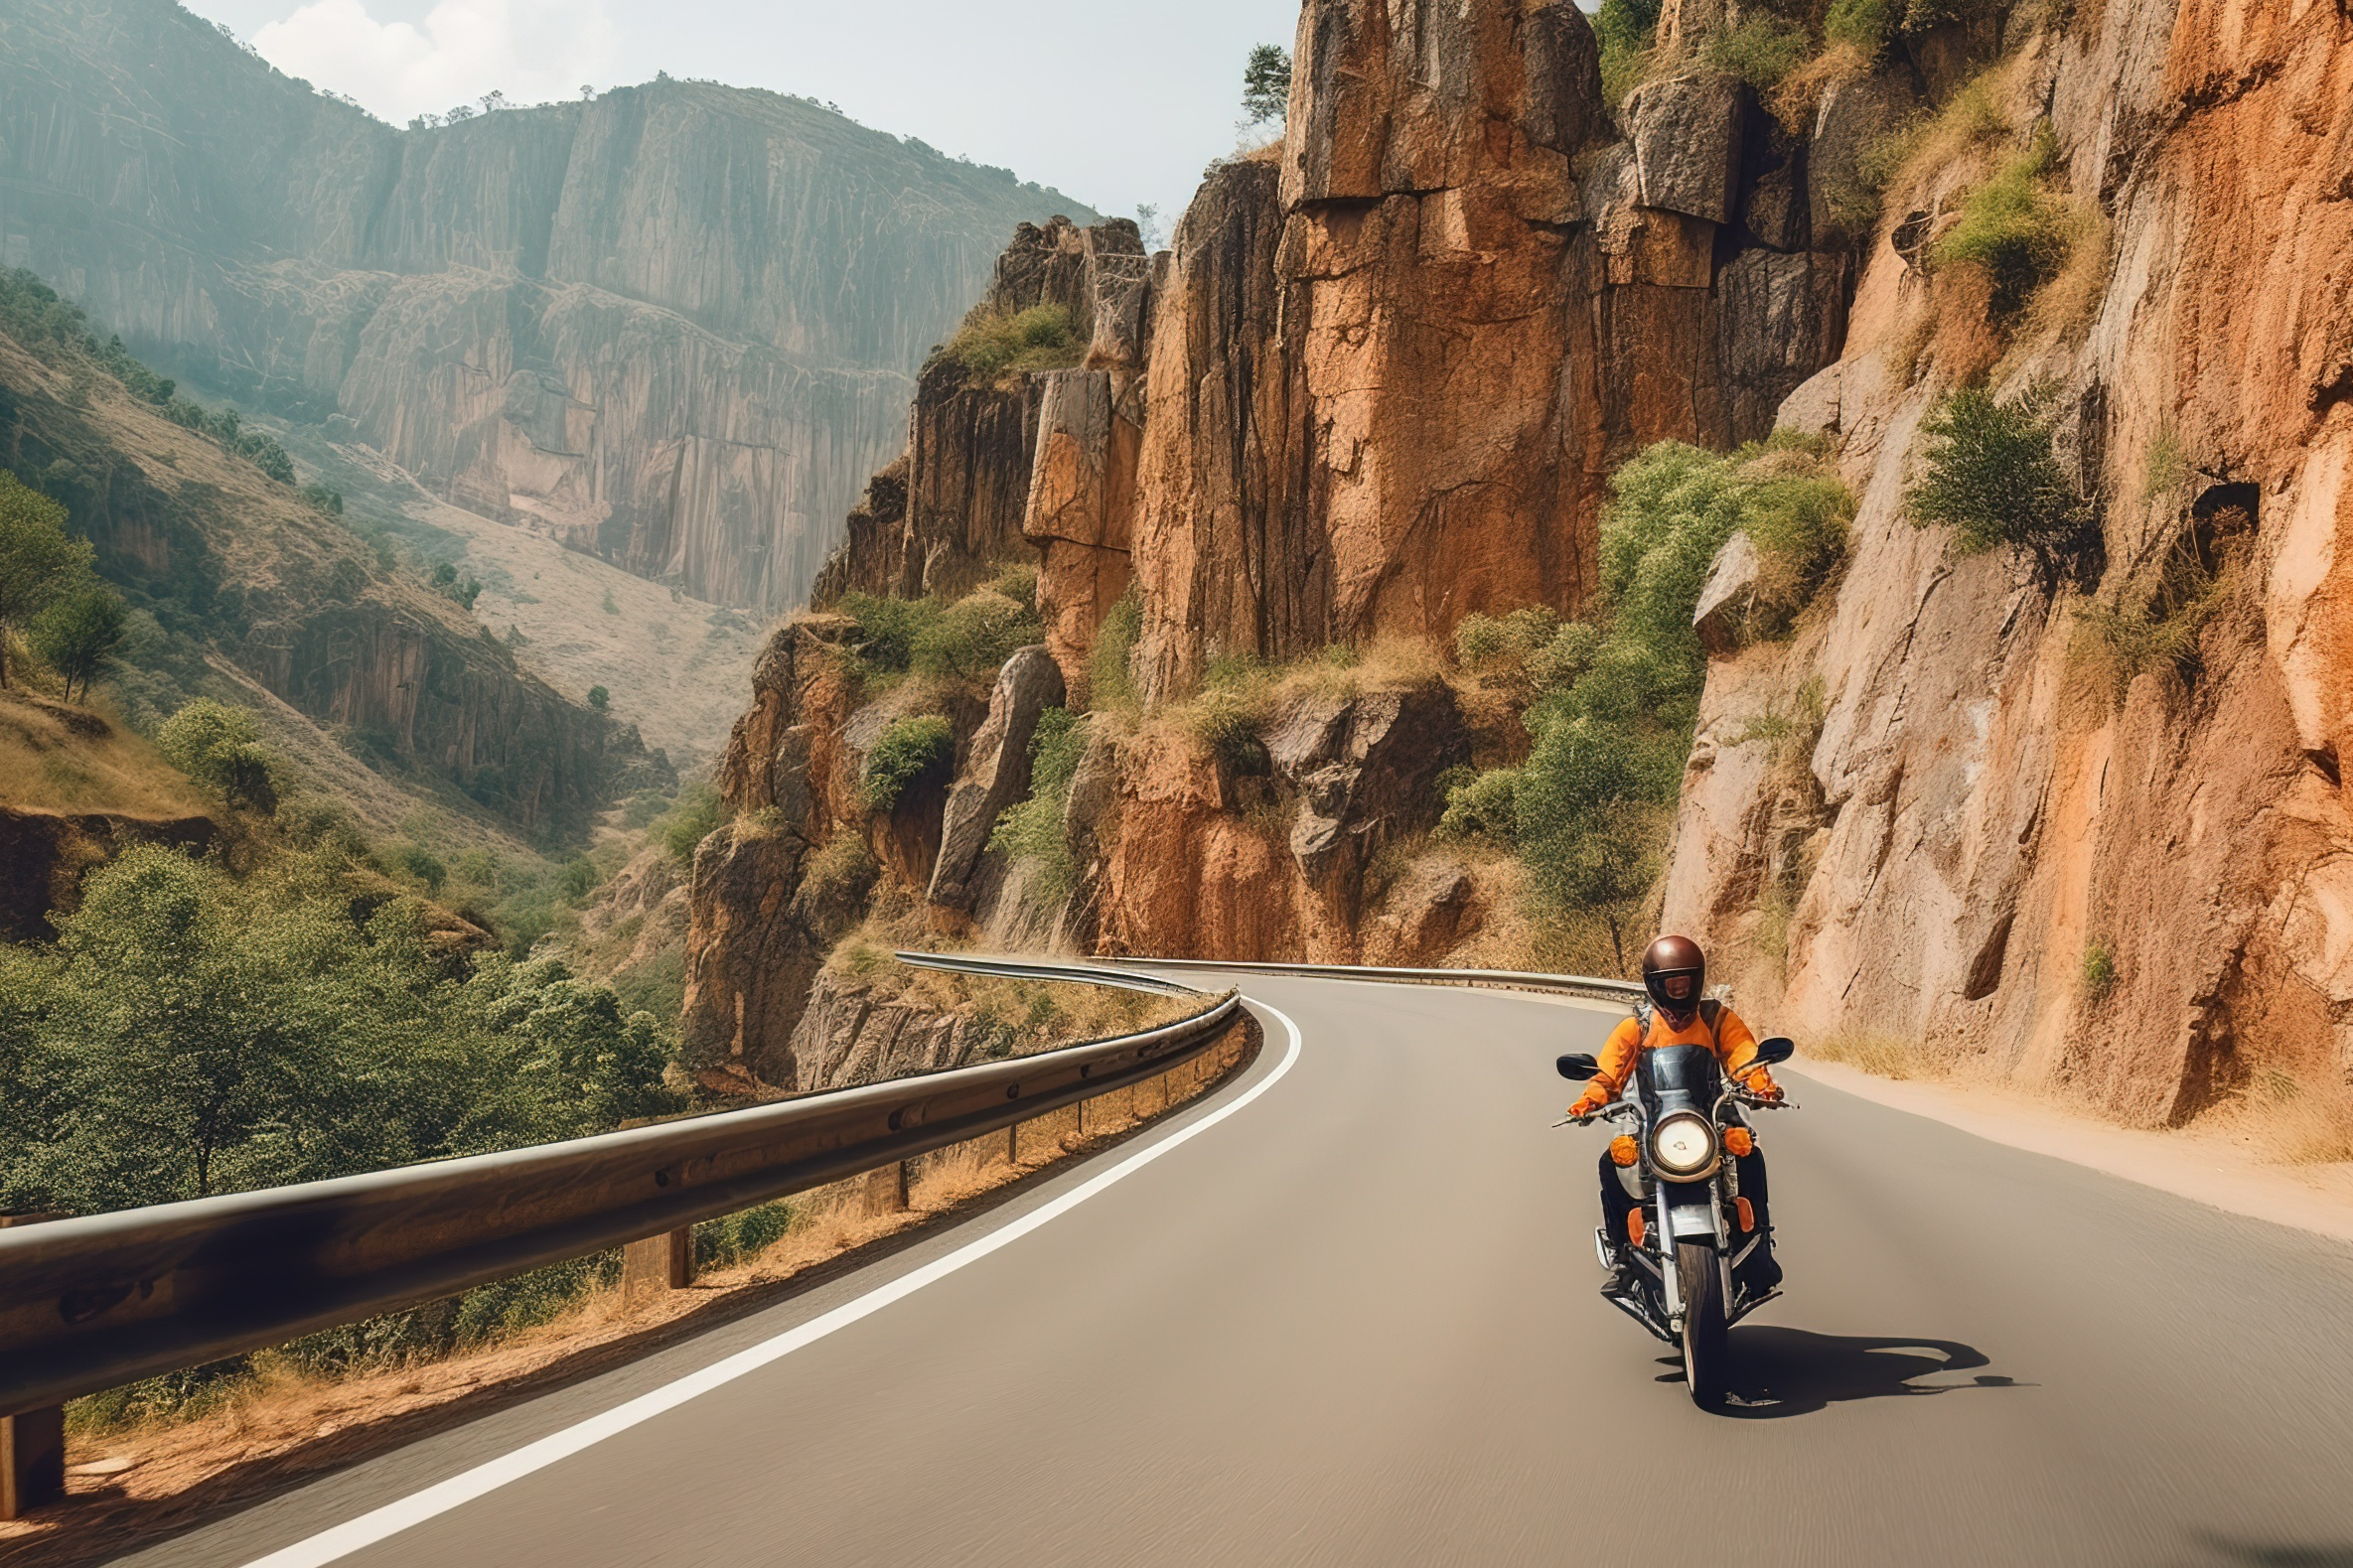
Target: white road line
(342, 1540)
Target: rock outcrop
(673, 325)
(2134, 895)
(996, 775)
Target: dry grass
(1883, 1056)
(1796, 99)
(283, 1426)
(2284, 1119)
(56, 757)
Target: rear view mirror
(1780, 1047)
(1577, 1066)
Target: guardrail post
(657, 1263)
(886, 1189)
(32, 1445)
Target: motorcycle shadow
(1779, 1373)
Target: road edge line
(392, 1518)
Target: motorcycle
(1691, 1229)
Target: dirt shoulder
(2206, 1167)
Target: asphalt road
(1356, 1322)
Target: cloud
(530, 49)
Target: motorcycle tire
(1706, 1351)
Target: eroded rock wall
(2137, 898)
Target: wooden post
(1013, 1144)
(32, 1445)
(886, 1189)
(657, 1263)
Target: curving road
(1354, 1321)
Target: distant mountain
(675, 326)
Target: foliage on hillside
(1613, 703)
(193, 1034)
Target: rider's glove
(1761, 1084)
(1593, 1100)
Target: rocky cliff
(2056, 863)
(2068, 808)
(673, 326)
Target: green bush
(887, 629)
(1032, 831)
(220, 748)
(1990, 475)
(1760, 51)
(599, 698)
(739, 1237)
(2013, 228)
(2098, 971)
(1627, 30)
(971, 639)
(995, 342)
(698, 814)
(915, 745)
(1484, 808)
(419, 865)
(1863, 24)
(1230, 711)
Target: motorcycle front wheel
(1706, 1350)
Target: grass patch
(2098, 971)
(1762, 51)
(2013, 228)
(996, 343)
(915, 745)
(1032, 831)
(967, 641)
(1626, 30)
(1111, 676)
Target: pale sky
(1112, 102)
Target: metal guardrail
(92, 1303)
(1512, 979)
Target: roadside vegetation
(1612, 703)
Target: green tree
(599, 698)
(1266, 83)
(38, 561)
(1991, 476)
(220, 747)
(80, 634)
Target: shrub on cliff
(1032, 831)
(1626, 30)
(971, 639)
(1483, 808)
(1110, 682)
(998, 343)
(1991, 476)
(916, 744)
(2011, 229)
(698, 814)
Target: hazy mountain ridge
(676, 325)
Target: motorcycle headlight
(1683, 1144)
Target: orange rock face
(2138, 899)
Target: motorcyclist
(1675, 974)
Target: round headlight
(1683, 1144)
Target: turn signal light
(1623, 1151)
(1748, 1215)
(1634, 1227)
(1739, 1142)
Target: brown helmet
(1675, 972)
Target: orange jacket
(1730, 1040)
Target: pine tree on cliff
(1266, 83)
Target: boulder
(1813, 409)
(996, 773)
(1686, 144)
(1725, 596)
(1853, 115)
(1429, 912)
(1366, 769)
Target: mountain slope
(674, 326)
